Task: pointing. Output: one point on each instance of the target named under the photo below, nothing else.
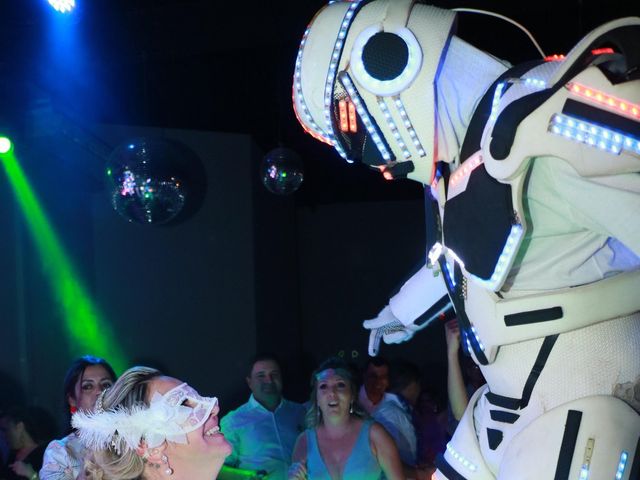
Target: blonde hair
(108, 464)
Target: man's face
(265, 381)
(376, 380)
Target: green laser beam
(84, 324)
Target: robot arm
(419, 301)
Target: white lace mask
(169, 417)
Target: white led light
(434, 253)
(331, 76)
(394, 129)
(364, 115)
(535, 82)
(409, 126)
(593, 135)
(303, 111)
(464, 461)
(496, 101)
(386, 88)
(508, 252)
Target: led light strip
(624, 456)
(331, 76)
(408, 125)
(593, 135)
(496, 101)
(465, 169)
(504, 260)
(364, 115)
(394, 128)
(309, 125)
(475, 335)
(464, 461)
(621, 106)
(535, 82)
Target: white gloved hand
(388, 328)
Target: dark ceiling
(227, 66)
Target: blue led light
(496, 101)
(460, 458)
(364, 115)
(593, 135)
(584, 473)
(622, 463)
(502, 266)
(62, 6)
(331, 76)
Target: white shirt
(261, 439)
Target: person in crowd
(23, 428)
(375, 381)
(431, 422)
(149, 426)
(459, 388)
(86, 378)
(395, 414)
(341, 442)
(263, 430)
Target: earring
(168, 470)
(351, 407)
(73, 410)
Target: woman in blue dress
(341, 443)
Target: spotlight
(6, 145)
(62, 6)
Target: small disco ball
(145, 178)
(282, 171)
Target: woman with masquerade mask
(149, 426)
(340, 441)
(86, 378)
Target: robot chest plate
(478, 221)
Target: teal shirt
(361, 464)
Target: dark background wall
(249, 271)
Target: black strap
(504, 417)
(533, 316)
(568, 446)
(517, 403)
(447, 469)
(494, 437)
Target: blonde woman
(149, 426)
(341, 443)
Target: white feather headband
(165, 419)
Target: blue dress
(361, 464)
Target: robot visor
(355, 130)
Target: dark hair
(74, 373)
(263, 357)
(403, 373)
(314, 416)
(376, 362)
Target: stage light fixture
(6, 145)
(62, 6)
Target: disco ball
(146, 179)
(282, 171)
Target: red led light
(553, 58)
(602, 51)
(620, 105)
(344, 121)
(353, 124)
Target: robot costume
(533, 173)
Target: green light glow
(89, 334)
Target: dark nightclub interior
(240, 269)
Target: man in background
(262, 431)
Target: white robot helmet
(364, 82)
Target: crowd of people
(372, 422)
